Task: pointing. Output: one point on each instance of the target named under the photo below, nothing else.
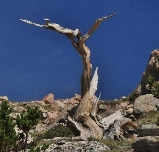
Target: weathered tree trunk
(86, 76)
(84, 119)
(87, 110)
(87, 67)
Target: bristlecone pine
(84, 118)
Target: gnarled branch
(95, 26)
(69, 32)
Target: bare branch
(69, 32)
(55, 27)
(29, 22)
(95, 26)
(62, 30)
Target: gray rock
(80, 146)
(146, 103)
(123, 98)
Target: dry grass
(149, 118)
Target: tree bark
(86, 112)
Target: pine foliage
(27, 121)
(8, 135)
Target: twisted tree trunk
(85, 117)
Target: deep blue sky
(35, 61)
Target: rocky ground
(53, 111)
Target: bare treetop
(69, 32)
(78, 44)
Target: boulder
(123, 98)
(78, 146)
(49, 99)
(60, 104)
(52, 114)
(102, 107)
(115, 100)
(124, 104)
(151, 69)
(146, 103)
(78, 97)
(75, 99)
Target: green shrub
(45, 146)
(151, 80)
(132, 96)
(27, 121)
(155, 89)
(149, 118)
(39, 149)
(154, 86)
(58, 131)
(8, 137)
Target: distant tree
(8, 135)
(27, 121)
(151, 80)
(153, 86)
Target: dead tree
(78, 42)
(84, 118)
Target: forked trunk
(85, 116)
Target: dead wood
(88, 106)
(116, 125)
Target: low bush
(133, 96)
(8, 137)
(149, 118)
(58, 131)
(154, 86)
